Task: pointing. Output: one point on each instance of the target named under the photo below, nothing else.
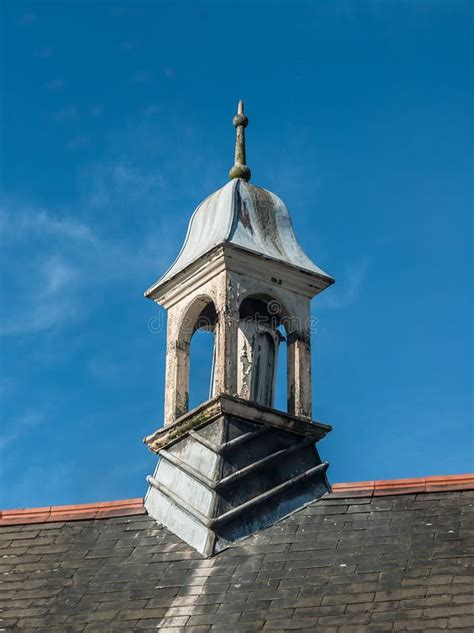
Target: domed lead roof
(247, 216)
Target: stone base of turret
(230, 468)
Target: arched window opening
(263, 309)
(259, 338)
(202, 356)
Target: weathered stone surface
(231, 468)
(236, 407)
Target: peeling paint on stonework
(246, 373)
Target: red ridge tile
(73, 512)
(399, 486)
(452, 482)
(136, 502)
(119, 512)
(378, 488)
(353, 489)
(72, 507)
(128, 507)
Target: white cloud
(118, 11)
(32, 485)
(97, 110)
(57, 263)
(55, 85)
(140, 184)
(27, 19)
(105, 370)
(20, 426)
(43, 53)
(7, 385)
(79, 142)
(150, 110)
(45, 302)
(41, 272)
(119, 179)
(16, 220)
(129, 45)
(51, 263)
(347, 290)
(142, 76)
(68, 113)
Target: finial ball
(240, 120)
(240, 171)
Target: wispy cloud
(38, 290)
(66, 261)
(347, 290)
(28, 483)
(17, 219)
(142, 184)
(7, 384)
(69, 113)
(79, 142)
(27, 19)
(44, 52)
(97, 110)
(142, 76)
(117, 11)
(150, 110)
(44, 284)
(55, 85)
(19, 427)
(57, 262)
(104, 370)
(122, 178)
(129, 45)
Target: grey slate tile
(369, 564)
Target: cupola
(236, 464)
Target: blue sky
(116, 123)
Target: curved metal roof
(247, 216)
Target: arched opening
(260, 352)
(202, 356)
(200, 316)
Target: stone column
(299, 366)
(177, 381)
(226, 362)
(177, 368)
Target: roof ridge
(129, 507)
(74, 512)
(383, 487)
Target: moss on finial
(240, 122)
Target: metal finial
(240, 122)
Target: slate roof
(365, 558)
